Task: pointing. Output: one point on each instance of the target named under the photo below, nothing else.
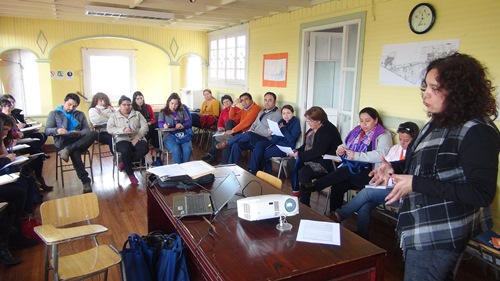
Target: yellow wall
(475, 23)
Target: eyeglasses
(402, 128)
(310, 120)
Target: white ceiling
(204, 15)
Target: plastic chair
(163, 149)
(58, 213)
(270, 179)
(282, 162)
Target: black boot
(6, 257)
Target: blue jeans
(245, 141)
(430, 264)
(363, 203)
(262, 152)
(180, 152)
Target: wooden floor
(123, 211)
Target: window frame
(232, 32)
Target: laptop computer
(206, 203)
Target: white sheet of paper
(332, 157)
(285, 149)
(19, 159)
(34, 127)
(219, 133)
(319, 232)
(193, 169)
(5, 179)
(275, 128)
(27, 140)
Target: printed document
(275, 128)
(319, 232)
(194, 169)
(285, 149)
(332, 157)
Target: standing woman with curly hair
(448, 180)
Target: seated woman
(178, 141)
(369, 198)
(209, 111)
(265, 150)
(128, 128)
(20, 194)
(34, 146)
(366, 143)
(99, 112)
(308, 163)
(223, 124)
(139, 105)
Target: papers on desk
(275, 128)
(194, 169)
(319, 232)
(378, 186)
(332, 157)
(27, 140)
(18, 160)
(285, 149)
(17, 147)
(5, 179)
(34, 127)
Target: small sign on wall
(274, 70)
(61, 74)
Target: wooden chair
(78, 209)
(270, 179)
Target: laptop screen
(224, 192)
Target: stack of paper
(34, 127)
(5, 179)
(194, 169)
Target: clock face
(421, 18)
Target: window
(19, 77)
(109, 71)
(228, 58)
(194, 73)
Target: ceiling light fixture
(104, 11)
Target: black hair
(123, 98)
(72, 96)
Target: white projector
(267, 206)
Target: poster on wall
(274, 70)
(404, 64)
(61, 74)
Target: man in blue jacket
(72, 135)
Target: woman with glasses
(308, 163)
(265, 150)
(209, 111)
(175, 116)
(449, 177)
(368, 198)
(139, 105)
(128, 128)
(363, 148)
(99, 112)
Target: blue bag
(354, 166)
(172, 264)
(137, 259)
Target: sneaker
(133, 179)
(87, 187)
(64, 154)
(221, 145)
(7, 258)
(296, 193)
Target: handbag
(172, 264)
(28, 225)
(137, 259)
(182, 136)
(354, 166)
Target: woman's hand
(269, 131)
(11, 156)
(381, 174)
(220, 129)
(294, 154)
(349, 153)
(21, 125)
(128, 130)
(402, 186)
(341, 150)
(134, 141)
(179, 126)
(165, 125)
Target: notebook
(206, 203)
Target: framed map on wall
(274, 70)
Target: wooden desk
(244, 250)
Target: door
(332, 73)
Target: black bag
(182, 181)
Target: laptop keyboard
(196, 204)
